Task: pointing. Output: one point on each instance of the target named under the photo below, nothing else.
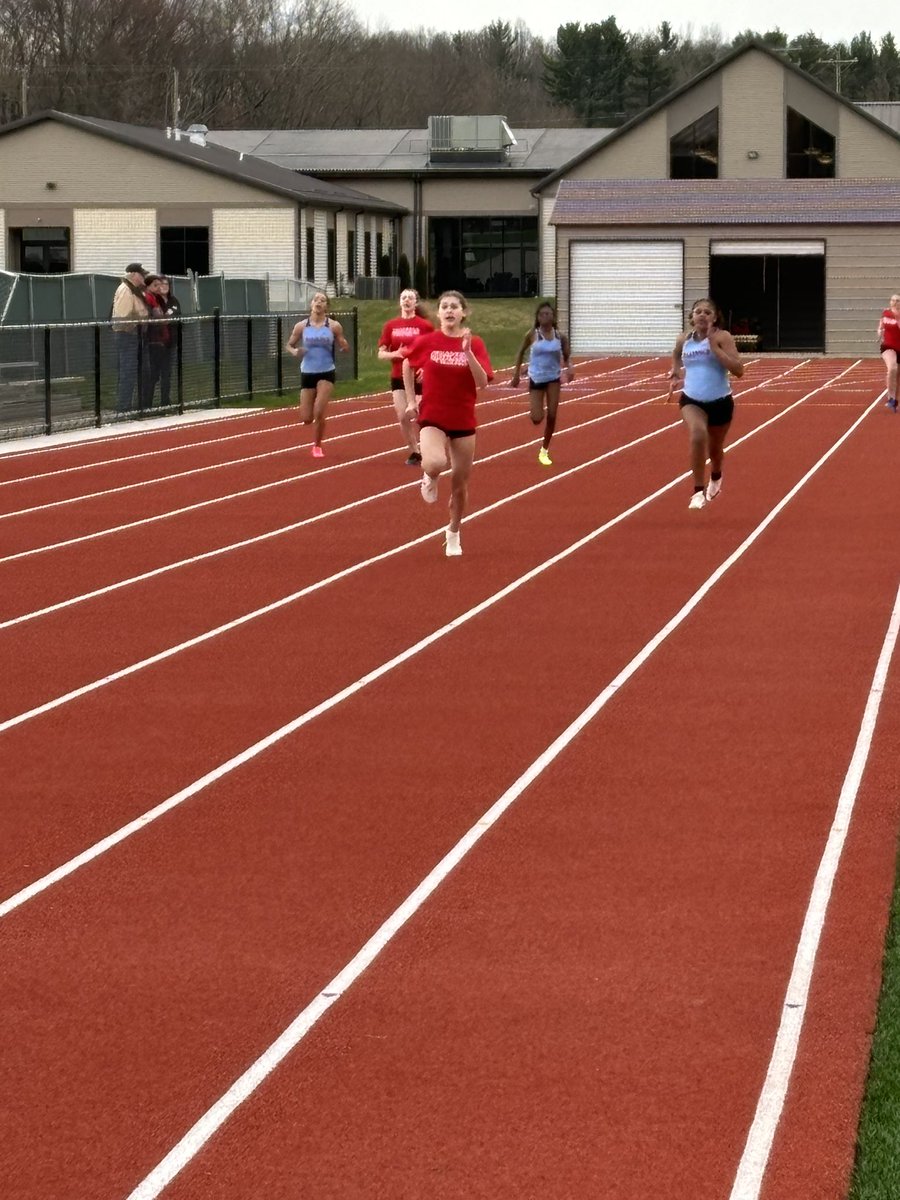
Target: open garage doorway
(771, 292)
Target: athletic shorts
(718, 412)
(541, 385)
(310, 381)
(894, 348)
(452, 434)
(397, 385)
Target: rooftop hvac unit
(469, 139)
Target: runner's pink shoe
(318, 452)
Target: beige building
(467, 184)
(755, 184)
(86, 195)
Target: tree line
(313, 64)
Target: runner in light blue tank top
(313, 342)
(707, 354)
(549, 353)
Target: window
(351, 253)
(496, 256)
(379, 253)
(367, 253)
(184, 248)
(694, 151)
(810, 149)
(43, 251)
(331, 253)
(310, 254)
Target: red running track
(586, 1002)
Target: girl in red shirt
(396, 334)
(889, 339)
(455, 369)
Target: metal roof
(727, 202)
(219, 160)
(886, 111)
(388, 151)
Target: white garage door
(626, 297)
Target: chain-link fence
(65, 376)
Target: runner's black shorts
(452, 434)
(310, 381)
(718, 412)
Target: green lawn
(503, 324)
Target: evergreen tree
(589, 71)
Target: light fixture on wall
(50, 185)
(753, 154)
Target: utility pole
(24, 92)
(176, 100)
(837, 63)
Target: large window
(351, 253)
(310, 254)
(184, 248)
(694, 150)
(495, 256)
(810, 149)
(43, 251)
(367, 253)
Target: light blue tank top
(318, 342)
(545, 359)
(705, 378)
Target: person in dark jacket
(161, 338)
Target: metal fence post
(97, 397)
(179, 364)
(217, 357)
(279, 357)
(48, 405)
(355, 342)
(249, 356)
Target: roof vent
(469, 139)
(197, 134)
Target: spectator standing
(161, 339)
(128, 317)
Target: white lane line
(283, 601)
(754, 1161)
(294, 449)
(278, 532)
(128, 459)
(376, 673)
(274, 606)
(216, 1116)
(285, 529)
(247, 433)
(294, 426)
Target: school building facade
(753, 182)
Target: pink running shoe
(318, 452)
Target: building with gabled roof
(753, 183)
(85, 194)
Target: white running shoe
(713, 488)
(429, 489)
(698, 501)
(452, 548)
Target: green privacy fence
(68, 299)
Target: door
(626, 297)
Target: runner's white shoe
(452, 548)
(713, 488)
(429, 489)
(698, 501)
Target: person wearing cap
(128, 318)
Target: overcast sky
(830, 21)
